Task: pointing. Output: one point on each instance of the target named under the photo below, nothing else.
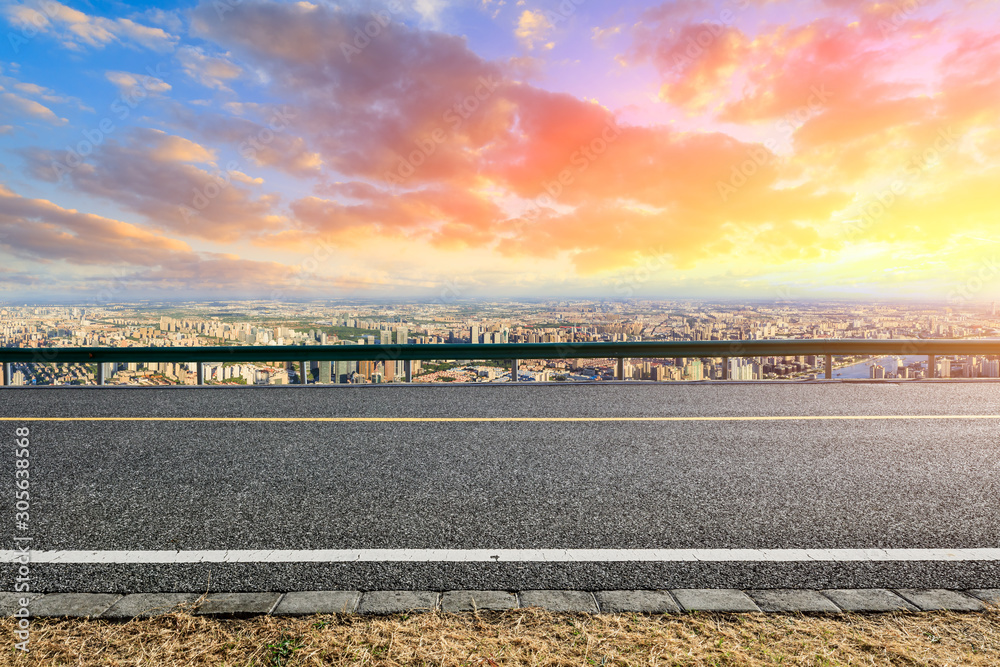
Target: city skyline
(453, 150)
(372, 332)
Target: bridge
(634, 486)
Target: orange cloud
(40, 229)
(133, 258)
(151, 173)
(695, 60)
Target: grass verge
(521, 637)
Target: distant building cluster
(382, 326)
(965, 367)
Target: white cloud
(533, 28)
(126, 82)
(209, 71)
(430, 11)
(76, 30)
(13, 104)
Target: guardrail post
(725, 368)
(513, 370)
(304, 368)
(829, 366)
(7, 375)
(408, 369)
(100, 373)
(931, 365)
(201, 372)
(620, 370)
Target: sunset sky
(510, 148)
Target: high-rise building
(944, 368)
(402, 335)
(385, 337)
(474, 334)
(325, 372)
(877, 372)
(741, 368)
(343, 370)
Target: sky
(449, 149)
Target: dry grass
(521, 637)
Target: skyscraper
(694, 370)
(741, 368)
(344, 370)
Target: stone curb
(301, 603)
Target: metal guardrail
(513, 352)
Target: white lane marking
(760, 418)
(502, 556)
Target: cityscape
(194, 325)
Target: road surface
(626, 486)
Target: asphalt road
(922, 479)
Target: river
(860, 369)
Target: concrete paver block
(580, 601)
(144, 605)
(714, 599)
(648, 602)
(303, 603)
(987, 595)
(868, 600)
(73, 605)
(397, 602)
(10, 603)
(456, 601)
(238, 605)
(792, 599)
(940, 599)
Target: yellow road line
(496, 419)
